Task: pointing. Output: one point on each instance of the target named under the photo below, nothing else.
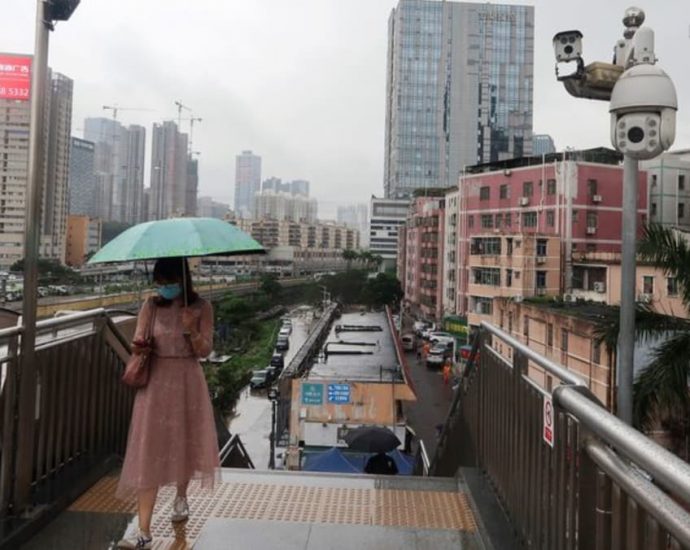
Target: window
(509, 277)
(681, 182)
(470, 221)
(596, 353)
(681, 209)
(499, 221)
(529, 219)
(653, 180)
(648, 284)
(525, 327)
(549, 335)
(550, 187)
(504, 191)
(510, 322)
(591, 247)
(484, 193)
(592, 187)
(652, 210)
(541, 247)
(507, 219)
(592, 219)
(486, 276)
(541, 279)
(509, 244)
(671, 286)
(574, 216)
(527, 188)
(550, 218)
(487, 221)
(564, 339)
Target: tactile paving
(288, 503)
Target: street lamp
(47, 12)
(273, 395)
(643, 107)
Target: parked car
(284, 331)
(283, 343)
(408, 342)
(278, 361)
(436, 337)
(419, 326)
(260, 379)
(437, 356)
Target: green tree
(382, 290)
(50, 271)
(660, 392)
(349, 256)
(270, 286)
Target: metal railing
(602, 485)
(82, 410)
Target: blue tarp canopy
(335, 460)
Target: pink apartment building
(420, 257)
(521, 225)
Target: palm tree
(660, 392)
(349, 255)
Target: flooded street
(252, 419)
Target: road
(252, 418)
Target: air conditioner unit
(644, 298)
(541, 259)
(497, 230)
(596, 198)
(517, 298)
(569, 298)
(524, 201)
(591, 230)
(600, 287)
(507, 173)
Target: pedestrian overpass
(499, 479)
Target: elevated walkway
(286, 510)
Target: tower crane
(116, 109)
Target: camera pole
(626, 334)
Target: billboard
(15, 76)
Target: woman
(172, 436)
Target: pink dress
(172, 435)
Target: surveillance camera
(643, 112)
(567, 45)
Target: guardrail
(600, 485)
(82, 409)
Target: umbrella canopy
(372, 439)
(177, 237)
(332, 460)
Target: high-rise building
(386, 218)
(14, 150)
(83, 238)
(120, 155)
(356, 216)
(458, 90)
(169, 172)
(283, 206)
(668, 181)
(207, 207)
(82, 178)
(191, 207)
(247, 182)
(542, 144)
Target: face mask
(170, 292)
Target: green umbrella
(186, 237)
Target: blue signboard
(339, 393)
(312, 394)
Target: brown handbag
(138, 367)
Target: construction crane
(180, 106)
(192, 119)
(116, 109)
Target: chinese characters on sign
(15, 77)
(312, 394)
(339, 393)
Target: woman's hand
(190, 322)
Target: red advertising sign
(15, 77)
(548, 421)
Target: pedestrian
(425, 350)
(172, 436)
(446, 372)
(381, 463)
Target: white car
(285, 331)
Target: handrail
(548, 365)
(70, 319)
(655, 501)
(665, 467)
(11, 331)
(425, 457)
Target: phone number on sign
(14, 92)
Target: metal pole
(626, 335)
(272, 458)
(32, 235)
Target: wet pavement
(252, 417)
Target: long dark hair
(171, 269)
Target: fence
(602, 485)
(82, 409)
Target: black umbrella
(372, 439)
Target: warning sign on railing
(548, 420)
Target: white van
(408, 342)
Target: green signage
(312, 394)
(457, 326)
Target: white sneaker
(137, 540)
(180, 510)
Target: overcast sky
(302, 82)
